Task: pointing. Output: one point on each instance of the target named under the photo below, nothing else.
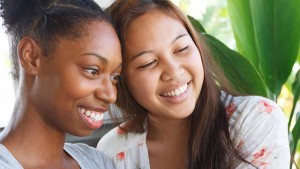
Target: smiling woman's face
(164, 69)
(77, 81)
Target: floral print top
(257, 126)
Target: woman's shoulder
(258, 128)
(87, 156)
(7, 160)
(240, 107)
(252, 113)
(81, 148)
(117, 140)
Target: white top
(87, 157)
(257, 125)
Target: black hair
(47, 20)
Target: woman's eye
(182, 50)
(115, 78)
(92, 71)
(148, 64)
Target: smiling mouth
(175, 92)
(93, 115)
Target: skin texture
(161, 54)
(71, 79)
(53, 88)
(163, 61)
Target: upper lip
(95, 108)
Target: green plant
(267, 35)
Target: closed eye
(182, 50)
(147, 65)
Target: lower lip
(178, 99)
(91, 123)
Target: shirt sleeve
(259, 131)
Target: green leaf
(294, 136)
(240, 72)
(296, 87)
(241, 22)
(296, 92)
(196, 24)
(267, 33)
(298, 56)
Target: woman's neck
(167, 143)
(31, 140)
(164, 129)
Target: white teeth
(101, 116)
(82, 110)
(176, 92)
(173, 93)
(181, 89)
(96, 116)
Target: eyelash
(147, 65)
(154, 61)
(115, 78)
(182, 50)
(91, 70)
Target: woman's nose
(172, 70)
(106, 91)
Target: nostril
(107, 91)
(106, 95)
(172, 72)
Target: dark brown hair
(47, 20)
(210, 146)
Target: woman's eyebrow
(103, 59)
(140, 54)
(151, 51)
(178, 37)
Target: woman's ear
(29, 55)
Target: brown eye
(92, 71)
(115, 78)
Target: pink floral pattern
(259, 158)
(121, 156)
(261, 138)
(266, 106)
(240, 145)
(230, 109)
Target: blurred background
(214, 17)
